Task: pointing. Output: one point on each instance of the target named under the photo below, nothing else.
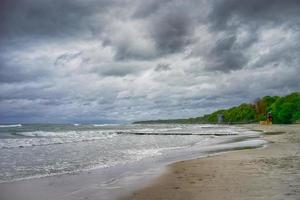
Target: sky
(106, 61)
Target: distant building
(220, 118)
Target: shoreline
(182, 176)
(118, 181)
(264, 173)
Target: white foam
(100, 125)
(10, 125)
(42, 138)
(139, 154)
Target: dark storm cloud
(133, 60)
(232, 16)
(147, 8)
(172, 30)
(171, 23)
(225, 56)
(254, 12)
(35, 18)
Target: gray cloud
(13, 71)
(148, 8)
(48, 18)
(233, 18)
(117, 69)
(11, 74)
(225, 56)
(89, 61)
(172, 29)
(226, 13)
(66, 57)
(162, 67)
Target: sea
(30, 151)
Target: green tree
(286, 109)
(296, 116)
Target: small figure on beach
(268, 121)
(269, 117)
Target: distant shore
(266, 173)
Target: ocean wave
(46, 173)
(177, 133)
(66, 134)
(100, 125)
(139, 154)
(10, 125)
(43, 138)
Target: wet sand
(272, 172)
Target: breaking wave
(42, 138)
(10, 125)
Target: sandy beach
(272, 172)
(149, 100)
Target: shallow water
(30, 151)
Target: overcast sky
(95, 61)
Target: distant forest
(285, 110)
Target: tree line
(285, 110)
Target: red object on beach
(270, 117)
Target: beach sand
(272, 172)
